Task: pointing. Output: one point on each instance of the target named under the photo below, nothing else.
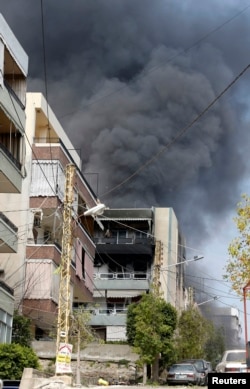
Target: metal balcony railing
(122, 240)
(46, 140)
(11, 157)
(105, 311)
(13, 93)
(122, 276)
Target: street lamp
(207, 301)
(95, 212)
(196, 258)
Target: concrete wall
(166, 231)
(93, 352)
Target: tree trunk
(155, 369)
(144, 381)
(78, 372)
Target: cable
(179, 134)
(112, 258)
(33, 152)
(46, 86)
(152, 69)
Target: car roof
(191, 360)
(182, 364)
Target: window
(5, 327)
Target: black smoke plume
(124, 77)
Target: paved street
(147, 387)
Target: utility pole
(157, 290)
(64, 288)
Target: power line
(152, 69)
(46, 87)
(179, 134)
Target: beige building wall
(166, 231)
(16, 206)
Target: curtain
(78, 249)
(89, 272)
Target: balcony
(12, 108)
(11, 148)
(10, 172)
(39, 256)
(107, 320)
(123, 245)
(121, 284)
(105, 316)
(8, 235)
(44, 252)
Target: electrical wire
(153, 68)
(178, 136)
(180, 133)
(46, 85)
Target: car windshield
(199, 365)
(239, 356)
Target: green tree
(238, 265)
(21, 332)
(150, 328)
(80, 335)
(14, 358)
(193, 332)
(215, 345)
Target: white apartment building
(134, 243)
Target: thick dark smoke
(125, 76)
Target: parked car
(10, 384)
(209, 367)
(183, 373)
(201, 367)
(233, 361)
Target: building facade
(34, 270)
(228, 320)
(130, 244)
(13, 76)
(47, 160)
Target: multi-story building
(228, 320)
(13, 75)
(50, 152)
(130, 246)
(33, 271)
(173, 248)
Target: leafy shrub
(14, 358)
(21, 332)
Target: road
(146, 387)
